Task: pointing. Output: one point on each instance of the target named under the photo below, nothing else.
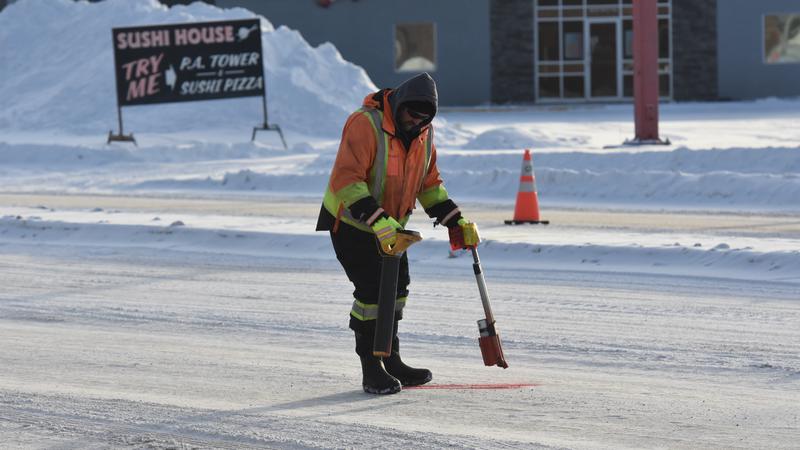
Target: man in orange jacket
(386, 163)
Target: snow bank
(58, 73)
(244, 180)
(745, 179)
(36, 157)
(516, 138)
(735, 179)
(291, 241)
(738, 179)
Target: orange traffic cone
(527, 208)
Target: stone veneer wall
(511, 31)
(694, 51)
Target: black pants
(357, 251)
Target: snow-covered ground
(174, 293)
(140, 347)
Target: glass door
(584, 50)
(604, 59)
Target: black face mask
(407, 136)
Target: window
(663, 85)
(627, 38)
(415, 47)
(548, 41)
(663, 38)
(782, 38)
(664, 70)
(627, 86)
(549, 87)
(573, 41)
(573, 87)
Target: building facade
(393, 40)
(553, 51)
(556, 51)
(759, 48)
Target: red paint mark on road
(473, 386)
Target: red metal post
(645, 65)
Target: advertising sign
(187, 62)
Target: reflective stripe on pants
(365, 311)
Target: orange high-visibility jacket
(408, 175)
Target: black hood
(420, 88)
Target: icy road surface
(101, 347)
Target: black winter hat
(419, 91)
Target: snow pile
(519, 137)
(736, 179)
(743, 179)
(593, 128)
(36, 157)
(244, 180)
(731, 180)
(292, 239)
(58, 73)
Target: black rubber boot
(374, 380)
(408, 376)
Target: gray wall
(694, 49)
(742, 72)
(363, 31)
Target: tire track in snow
(174, 427)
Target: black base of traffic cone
(519, 222)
